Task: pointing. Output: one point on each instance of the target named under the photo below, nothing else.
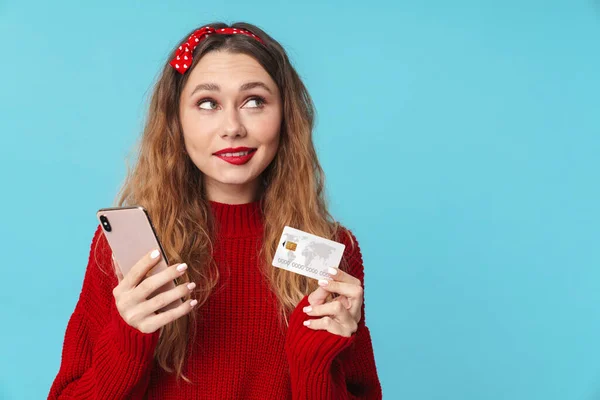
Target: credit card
(307, 254)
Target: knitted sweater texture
(241, 349)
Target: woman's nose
(233, 125)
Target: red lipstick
(229, 155)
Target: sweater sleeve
(102, 357)
(328, 366)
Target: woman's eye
(257, 100)
(206, 102)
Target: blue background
(460, 141)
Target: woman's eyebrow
(216, 88)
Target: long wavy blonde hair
(166, 182)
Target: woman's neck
(233, 194)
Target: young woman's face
(230, 101)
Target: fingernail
(191, 285)
(193, 303)
(323, 282)
(182, 267)
(306, 323)
(154, 254)
(307, 309)
(332, 271)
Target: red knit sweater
(241, 350)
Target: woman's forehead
(228, 71)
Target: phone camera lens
(105, 223)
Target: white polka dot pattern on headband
(194, 40)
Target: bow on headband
(183, 56)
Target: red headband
(183, 56)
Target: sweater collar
(235, 220)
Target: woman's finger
(330, 325)
(341, 276)
(350, 290)
(162, 300)
(159, 320)
(345, 301)
(318, 296)
(154, 282)
(334, 309)
(139, 271)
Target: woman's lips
(237, 160)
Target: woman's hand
(341, 315)
(131, 294)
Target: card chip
(290, 245)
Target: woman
(225, 162)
